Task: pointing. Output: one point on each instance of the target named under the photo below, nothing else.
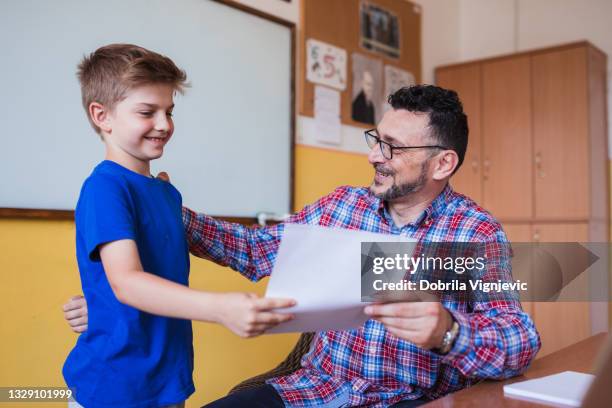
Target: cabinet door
(520, 233)
(561, 324)
(466, 81)
(561, 134)
(507, 161)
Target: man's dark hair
(446, 118)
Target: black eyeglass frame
(378, 141)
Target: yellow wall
(39, 273)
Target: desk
(578, 357)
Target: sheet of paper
(566, 389)
(325, 64)
(396, 78)
(327, 115)
(320, 268)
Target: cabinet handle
(475, 165)
(486, 164)
(538, 165)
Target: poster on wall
(327, 115)
(395, 78)
(325, 64)
(367, 90)
(379, 30)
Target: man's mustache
(383, 170)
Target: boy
(131, 248)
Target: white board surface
(231, 150)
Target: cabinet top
(578, 44)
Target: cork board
(337, 22)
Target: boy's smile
(137, 129)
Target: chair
(286, 367)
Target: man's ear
(99, 116)
(444, 164)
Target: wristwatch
(449, 338)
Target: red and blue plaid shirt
(369, 366)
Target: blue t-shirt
(130, 358)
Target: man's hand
(75, 313)
(421, 323)
(163, 176)
(248, 315)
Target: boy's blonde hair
(109, 72)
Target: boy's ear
(100, 116)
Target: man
(409, 352)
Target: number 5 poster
(325, 64)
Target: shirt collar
(434, 210)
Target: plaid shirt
(369, 366)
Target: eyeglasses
(372, 139)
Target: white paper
(396, 78)
(327, 115)
(565, 389)
(320, 268)
(325, 64)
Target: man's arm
(250, 251)
(496, 339)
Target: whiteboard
(231, 153)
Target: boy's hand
(75, 313)
(248, 315)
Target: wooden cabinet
(506, 111)
(541, 151)
(466, 82)
(560, 128)
(540, 133)
(520, 232)
(563, 323)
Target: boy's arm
(245, 314)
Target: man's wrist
(448, 338)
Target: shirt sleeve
(496, 339)
(104, 213)
(248, 250)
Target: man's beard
(402, 190)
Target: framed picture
(367, 89)
(379, 30)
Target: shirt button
(373, 350)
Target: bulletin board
(338, 22)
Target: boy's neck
(142, 167)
